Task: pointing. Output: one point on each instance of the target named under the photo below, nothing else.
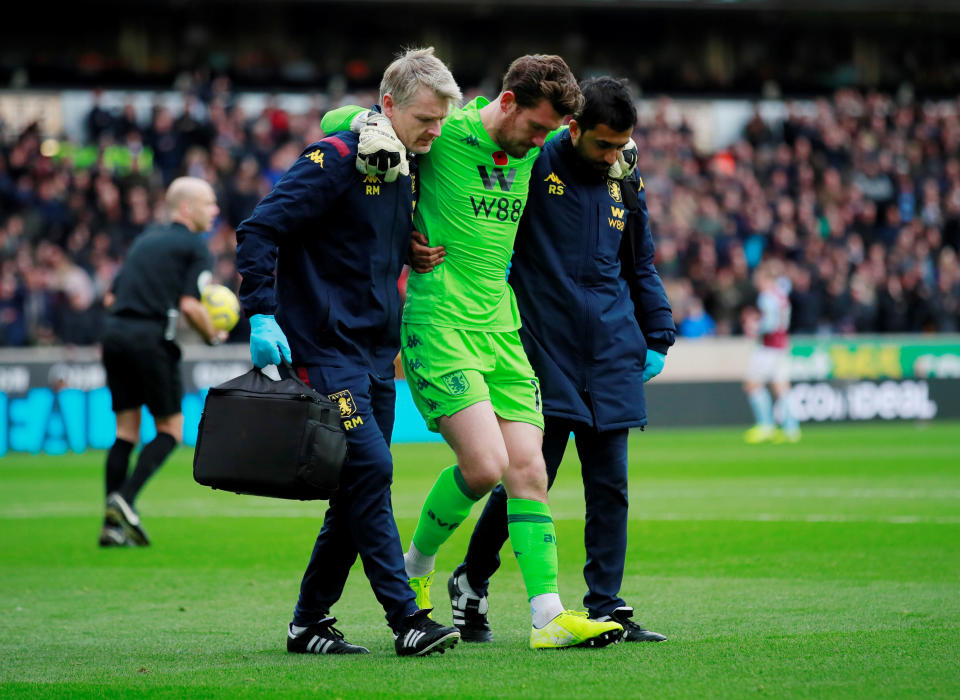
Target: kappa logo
(345, 402)
(413, 341)
(552, 177)
(371, 184)
(422, 384)
(613, 188)
(416, 364)
(317, 157)
(556, 186)
(456, 383)
(471, 140)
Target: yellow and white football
(222, 305)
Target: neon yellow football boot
(574, 629)
(786, 436)
(758, 434)
(421, 588)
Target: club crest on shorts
(345, 402)
(613, 187)
(456, 383)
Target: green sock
(447, 505)
(534, 542)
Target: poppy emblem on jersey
(316, 157)
(456, 383)
(345, 402)
(500, 158)
(613, 188)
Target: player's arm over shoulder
(339, 119)
(556, 132)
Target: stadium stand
(860, 198)
(857, 190)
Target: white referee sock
(545, 607)
(417, 563)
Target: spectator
(858, 193)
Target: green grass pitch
(827, 569)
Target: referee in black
(163, 275)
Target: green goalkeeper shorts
(449, 369)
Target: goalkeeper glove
(268, 344)
(625, 163)
(379, 151)
(654, 364)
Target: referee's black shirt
(164, 263)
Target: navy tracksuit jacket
(338, 240)
(591, 303)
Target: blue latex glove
(267, 341)
(653, 365)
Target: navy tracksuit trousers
(360, 517)
(603, 459)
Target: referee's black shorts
(142, 368)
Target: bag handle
(296, 378)
(293, 375)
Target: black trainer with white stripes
(469, 611)
(321, 638)
(419, 635)
(632, 632)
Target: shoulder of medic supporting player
(317, 177)
(322, 171)
(333, 153)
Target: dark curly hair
(541, 77)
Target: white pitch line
(316, 514)
(804, 518)
(658, 493)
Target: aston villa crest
(344, 401)
(613, 187)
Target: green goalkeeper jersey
(471, 197)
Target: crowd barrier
(54, 399)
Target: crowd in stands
(859, 197)
(857, 194)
